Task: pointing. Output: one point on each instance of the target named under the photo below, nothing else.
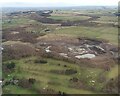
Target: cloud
(47, 3)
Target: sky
(56, 3)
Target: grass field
(42, 74)
(17, 22)
(70, 18)
(108, 18)
(107, 33)
(12, 89)
(114, 72)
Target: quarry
(85, 48)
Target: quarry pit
(84, 48)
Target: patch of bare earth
(58, 38)
(90, 52)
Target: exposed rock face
(85, 56)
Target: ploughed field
(53, 54)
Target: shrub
(24, 83)
(17, 51)
(65, 65)
(70, 71)
(10, 65)
(43, 61)
(32, 80)
(74, 79)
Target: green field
(16, 22)
(42, 74)
(106, 33)
(70, 18)
(108, 18)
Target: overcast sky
(55, 3)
